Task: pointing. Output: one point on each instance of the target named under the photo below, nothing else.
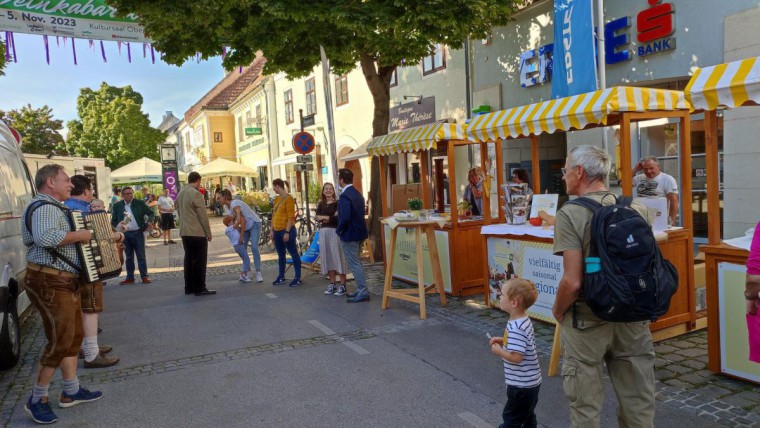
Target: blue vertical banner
(574, 48)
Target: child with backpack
(517, 349)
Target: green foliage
(315, 193)
(39, 131)
(257, 200)
(112, 125)
(2, 57)
(414, 203)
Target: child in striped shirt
(517, 349)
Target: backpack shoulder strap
(587, 203)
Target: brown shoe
(101, 361)
(104, 349)
(146, 280)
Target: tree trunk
(378, 81)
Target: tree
(378, 34)
(2, 58)
(39, 131)
(112, 125)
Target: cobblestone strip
(150, 369)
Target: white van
(15, 194)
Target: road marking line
(474, 420)
(351, 345)
(271, 295)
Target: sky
(163, 87)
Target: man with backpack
(588, 340)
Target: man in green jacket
(135, 217)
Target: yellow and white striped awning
(731, 85)
(576, 112)
(415, 139)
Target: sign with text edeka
(574, 49)
(83, 19)
(412, 114)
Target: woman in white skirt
(331, 253)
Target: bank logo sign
(654, 31)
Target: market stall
(429, 165)
(730, 85)
(526, 251)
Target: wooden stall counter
(726, 320)
(526, 251)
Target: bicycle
(265, 242)
(302, 232)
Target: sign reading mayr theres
(412, 114)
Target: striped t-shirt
(520, 339)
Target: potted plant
(414, 204)
(464, 209)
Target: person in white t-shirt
(653, 183)
(166, 208)
(232, 188)
(251, 226)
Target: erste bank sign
(655, 27)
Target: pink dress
(753, 261)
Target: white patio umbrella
(226, 168)
(140, 171)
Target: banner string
(74, 50)
(103, 51)
(152, 55)
(13, 43)
(47, 48)
(129, 53)
(7, 46)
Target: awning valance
(575, 112)
(415, 139)
(731, 85)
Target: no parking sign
(303, 143)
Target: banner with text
(509, 258)
(574, 64)
(82, 19)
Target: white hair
(593, 159)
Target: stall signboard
(509, 258)
(739, 332)
(412, 114)
(405, 261)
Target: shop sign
(654, 28)
(412, 114)
(253, 131)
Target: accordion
(100, 256)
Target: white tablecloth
(518, 229)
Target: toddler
(517, 349)
(97, 205)
(233, 232)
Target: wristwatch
(751, 296)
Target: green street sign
(253, 131)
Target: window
(218, 137)
(394, 78)
(311, 97)
(241, 133)
(258, 115)
(248, 118)
(341, 90)
(435, 61)
(289, 107)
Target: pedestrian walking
(195, 231)
(352, 231)
(588, 341)
(52, 285)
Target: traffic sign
(304, 167)
(303, 143)
(304, 158)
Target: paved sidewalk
(683, 382)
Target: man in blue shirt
(91, 294)
(352, 231)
